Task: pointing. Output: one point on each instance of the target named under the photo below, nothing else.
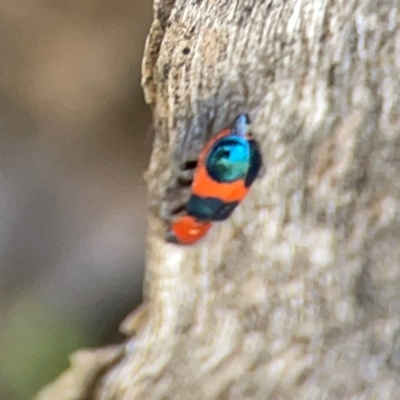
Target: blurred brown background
(74, 143)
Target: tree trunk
(297, 295)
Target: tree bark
(297, 295)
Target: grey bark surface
(297, 295)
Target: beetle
(226, 168)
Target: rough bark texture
(297, 295)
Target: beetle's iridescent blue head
(241, 125)
(236, 155)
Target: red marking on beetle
(188, 230)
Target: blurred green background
(74, 143)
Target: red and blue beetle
(226, 168)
